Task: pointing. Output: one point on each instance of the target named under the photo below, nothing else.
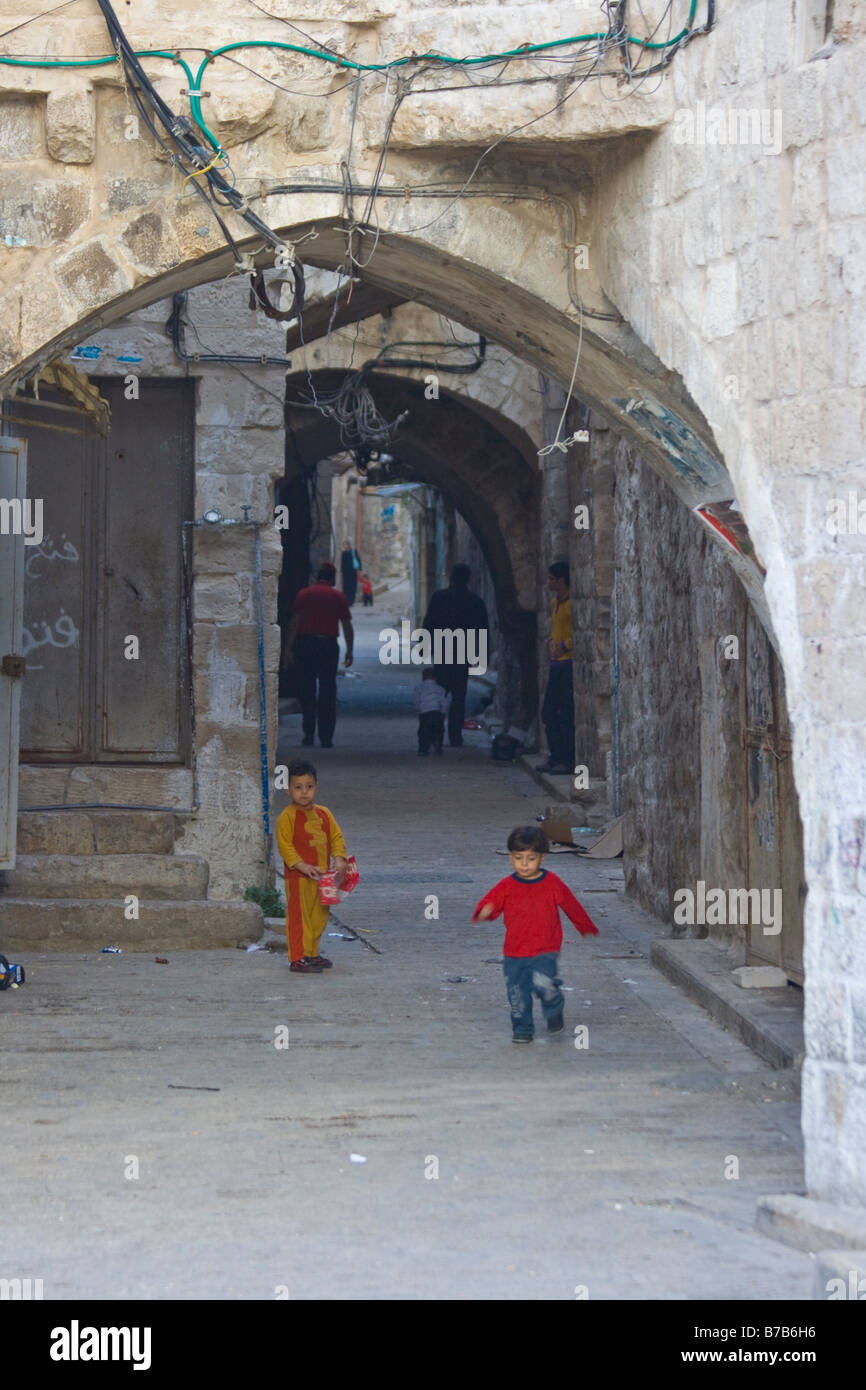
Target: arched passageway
(493, 482)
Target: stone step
(95, 832)
(29, 925)
(117, 784)
(181, 877)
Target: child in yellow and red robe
(308, 838)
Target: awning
(75, 386)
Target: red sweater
(531, 907)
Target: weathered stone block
(20, 129)
(91, 274)
(67, 832)
(70, 127)
(218, 600)
(150, 242)
(759, 977)
(139, 832)
(846, 176)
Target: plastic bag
(329, 892)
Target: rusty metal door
(145, 480)
(774, 837)
(108, 569)
(13, 487)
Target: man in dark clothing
(459, 609)
(350, 563)
(311, 640)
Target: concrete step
(95, 832)
(29, 925)
(181, 877)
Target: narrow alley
(213, 1163)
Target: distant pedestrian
(350, 565)
(431, 702)
(557, 711)
(317, 614)
(308, 839)
(366, 589)
(530, 898)
(457, 609)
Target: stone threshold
(810, 1224)
(769, 1021)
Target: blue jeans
(526, 976)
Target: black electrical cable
(174, 329)
(454, 369)
(185, 137)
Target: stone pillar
(554, 524)
(590, 506)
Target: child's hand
(340, 867)
(309, 870)
(485, 914)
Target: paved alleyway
(557, 1167)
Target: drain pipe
(615, 701)
(263, 708)
(213, 519)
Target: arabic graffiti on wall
(47, 553)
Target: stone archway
(710, 304)
(476, 463)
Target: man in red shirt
(317, 614)
(531, 898)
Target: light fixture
(213, 516)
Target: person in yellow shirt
(557, 711)
(308, 838)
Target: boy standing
(531, 898)
(431, 702)
(308, 837)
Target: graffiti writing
(48, 552)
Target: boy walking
(531, 898)
(431, 702)
(308, 838)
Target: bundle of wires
(363, 430)
(187, 153)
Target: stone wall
(756, 253)
(681, 700)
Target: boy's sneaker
(521, 1037)
(555, 1023)
(321, 962)
(305, 967)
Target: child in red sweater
(531, 898)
